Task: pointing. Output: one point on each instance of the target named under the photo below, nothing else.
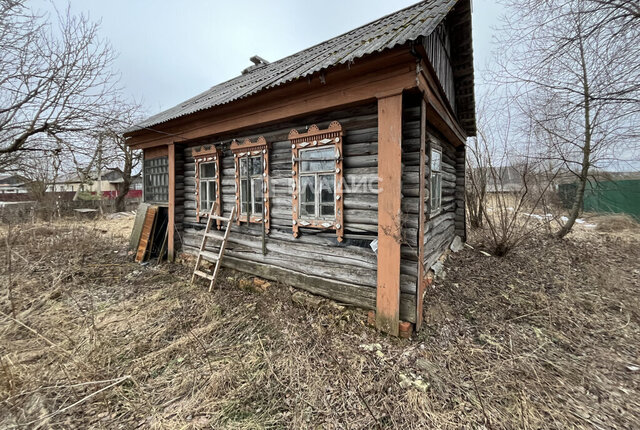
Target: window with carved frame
(207, 173)
(317, 179)
(252, 181)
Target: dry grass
(544, 340)
(615, 222)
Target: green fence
(606, 196)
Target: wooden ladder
(209, 256)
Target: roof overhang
(340, 86)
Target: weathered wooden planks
(141, 213)
(146, 235)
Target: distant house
(504, 179)
(345, 162)
(13, 184)
(109, 185)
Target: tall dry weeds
(541, 341)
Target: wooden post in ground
(389, 211)
(172, 201)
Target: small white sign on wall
(374, 246)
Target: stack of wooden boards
(144, 233)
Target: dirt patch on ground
(547, 337)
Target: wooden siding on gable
(438, 48)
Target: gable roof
(387, 32)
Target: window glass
(203, 196)
(327, 210)
(325, 156)
(244, 185)
(327, 188)
(317, 185)
(256, 165)
(327, 195)
(308, 195)
(207, 186)
(243, 166)
(211, 196)
(207, 170)
(251, 183)
(436, 157)
(436, 180)
(156, 183)
(257, 195)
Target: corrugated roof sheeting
(385, 33)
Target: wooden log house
(345, 161)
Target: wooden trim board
(389, 213)
(172, 202)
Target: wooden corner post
(421, 286)
(172, 202)
(389, 211)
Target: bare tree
(578, 83)
(476, 182)
(127, 162)
(618, 9)
(55, 77)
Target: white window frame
(435, 198)
(251, 178)
(208, 181)
(317, 203)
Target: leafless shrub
(506, 187)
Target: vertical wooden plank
(172, 201)
(389, 212)
(137, 226)
(421, 220)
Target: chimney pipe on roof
(257, 61)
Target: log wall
(441, 227)
(316, 261)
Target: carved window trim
(316, 138)
(210, 154)
(251, 149)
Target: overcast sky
(173, 50)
